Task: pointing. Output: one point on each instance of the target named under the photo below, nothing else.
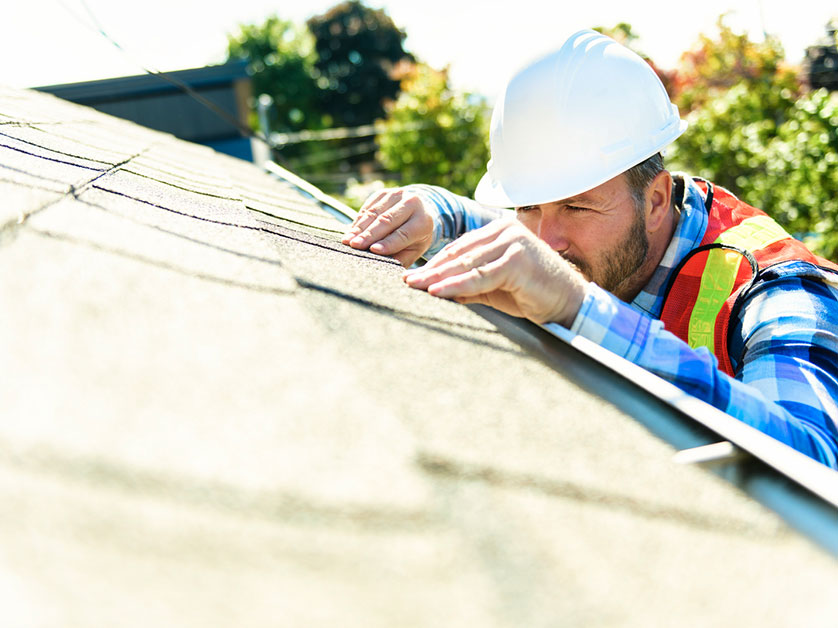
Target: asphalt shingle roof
(216, 414)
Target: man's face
(600, 231)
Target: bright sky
(45, 42)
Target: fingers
(489, 235)
(478, 272)
(480, 280)
(372, 208)
(469, 252)
(381, 226)
(408, 256)
(393, 235)
(392, 223)
(468, 262)
(507, 268)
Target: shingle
(22, 193)
(38, 165)
(519, 421)
(129, 557)
(65, 139)
(599, 566)
(239, 257)
(152, 194)
(109, 139)
(145, 372)
(22, 107)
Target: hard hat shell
(574, 119)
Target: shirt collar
(688, 235)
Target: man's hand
(395, 223)
(506, 266)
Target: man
(667, 271)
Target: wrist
(574, 296)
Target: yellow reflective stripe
(753, 234)
(716, 284)
(720, 272)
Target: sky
(482, 42)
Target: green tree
(799, 181)
(433, 134)
(335, 72)
(727, 138)
(712, 66)
(281, 63)
(357, 50)
(752, 132)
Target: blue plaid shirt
(784, 342)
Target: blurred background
(355, 95)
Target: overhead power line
(365, 130)
(334, 155)
(276, 141)
(218, 111)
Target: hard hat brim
(574, 119)
(491, 192)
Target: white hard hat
(574, 119)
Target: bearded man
(666, 270)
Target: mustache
(578, 264)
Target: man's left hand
(505, 266)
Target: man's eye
(526, 208)
(574, 208)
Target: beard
(619, 264)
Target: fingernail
(357, 240)
(377, 247)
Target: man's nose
(551, 230)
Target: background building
(154, 102)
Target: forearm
(794, 411)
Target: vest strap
(717, 283)
(721, 270)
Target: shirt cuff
(611, 323)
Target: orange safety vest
(710, 284)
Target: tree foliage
(336, 71)
(281, 64)
(799, 181)
(789, 169)
(752, 132)
(433, 134)
(712, 66)
(357, 49)
(727, 138)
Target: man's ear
(658, 200)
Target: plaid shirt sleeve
(454, 214)
(786, 344)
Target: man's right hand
(393, 222)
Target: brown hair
(640, 176)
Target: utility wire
(365, 130)
(97, 26)
(275, 141)
(334, 155)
